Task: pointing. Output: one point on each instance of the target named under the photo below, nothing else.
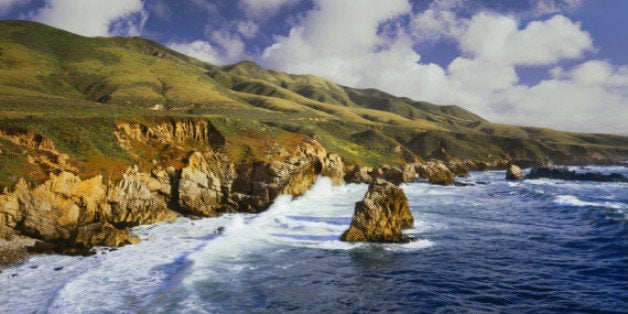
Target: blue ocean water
(534, 246)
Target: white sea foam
(180, 253)
(109, 279)
(570, 200)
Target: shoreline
(14, 251)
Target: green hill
(72, 89)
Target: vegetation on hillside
(72, 90)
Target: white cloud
(432, 25)
(540, 7)
(201, 50)
(7, 5)
(248, 29)
(330, 41)
(592, 97)
(226, 48)
(264, 8)
(337, 40)
(498, 39)
(89, 17)
(231, 47)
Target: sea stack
(381, 216)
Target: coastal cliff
(191, 173)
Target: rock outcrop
(381, 216)
(514, 173)
(548, 170)
(436, 172)
(183, 167)
(102, 234)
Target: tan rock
(436, 172)
(514, 173)
(134, 202)
(333, 167)
(381, 216)
(199, 188)
(102, 234)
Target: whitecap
(570, 200)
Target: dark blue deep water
(534, 246)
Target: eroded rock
(381, 216)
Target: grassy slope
(71, 89)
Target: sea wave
(571, 200)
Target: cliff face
(69, 212)
(182, 167)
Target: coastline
(14, 251)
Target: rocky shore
(69, 213)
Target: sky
(560, 64)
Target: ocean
(533, 246)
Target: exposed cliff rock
(40, 151)
(258, 183)
(139, 198)
(201, 190)
(334, 168)
(169, 131)
(381, 216)
(57, 209)
(185, 170)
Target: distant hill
(49, 77)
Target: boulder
(381, 216)
(514, 173)
(357, 174)
(103, 234)
(436, 172)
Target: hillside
(74, 90)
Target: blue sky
(551, 63)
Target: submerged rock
(514, 172)
(381, 216)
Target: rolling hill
(72, 89)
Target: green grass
(72, 89)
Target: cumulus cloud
(199, 49)
(337, 39)
(330, 41)
(499, 39)
(432, 25)
(92, 17)
(591, 97)
(226, 48)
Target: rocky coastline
(68, 213)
